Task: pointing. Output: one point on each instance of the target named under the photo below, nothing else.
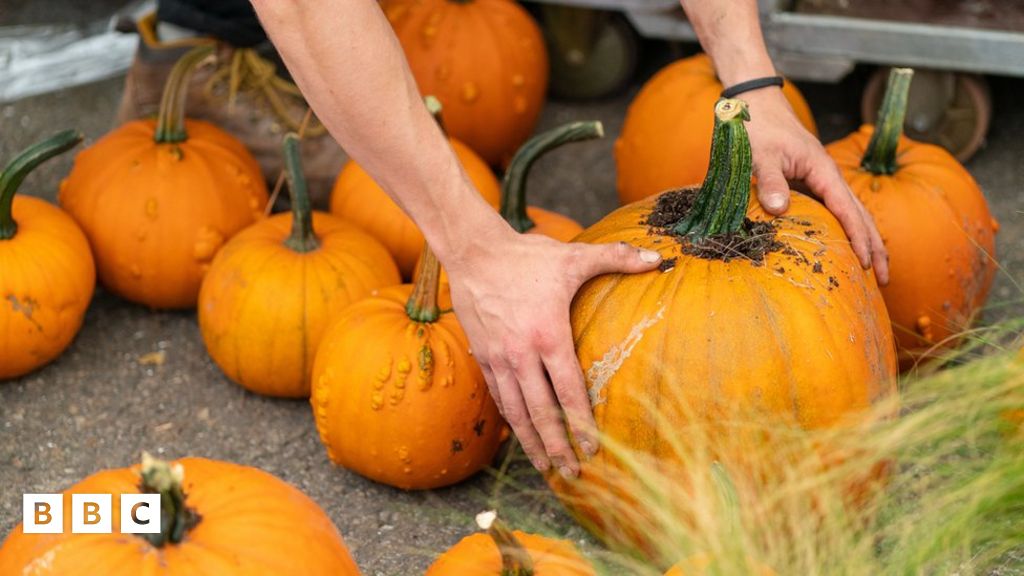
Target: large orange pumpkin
(158, 198)
(47, 273)
(397, 369)
(502, 552)
(751, 316)
(358, 199)
(216, 518)
(309, 265)
(484, 59)
(934, 221)
(664, 138)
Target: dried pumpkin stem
(302, 238)
(515, 559)
(422, 304)
(176, 518)
(721, 203)
(15, 172)
(513, 187)
(880, 157)
(170, 122)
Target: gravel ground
(98, 406)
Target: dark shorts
(233, 21)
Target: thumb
(772, 190)
(617, 257)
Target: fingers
(518, 417)
(772, 187)
(879, 253)
(596, 259)
(563, 369)
(828, 184)
(546, 415)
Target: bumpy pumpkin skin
(269, 349)
(46, 285)
(252, 524)
(478, 555)
(156, 214)
(780, 340)
(485, 60)
(940, 234)
(358, 199)
(664, 139)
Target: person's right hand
(512, 294)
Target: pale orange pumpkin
(664, 140)
(934, 221)
(750, 316)
(218, 518)
(47, 274)
(396, 369)
(158, 198)
(484, 59)
(272, 290)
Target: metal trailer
(949, 103)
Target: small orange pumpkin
(501, 552)
(486, 62)
(934, 221)
(216, 518)
(310, 265)
(358, 199)
(397, 368)
(47, 273)
(158, 198)
(664, 140)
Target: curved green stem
(302, 238)
(176, 518)
(15, 172)
(422, 304)
(515, 559)
(513, 186)
(170, 122)
(880, 157)
(721, 203)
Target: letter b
(42, 513)
(91, 513)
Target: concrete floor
(99, 407)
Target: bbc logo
(90, 513)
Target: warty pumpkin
(47, 274)
(749, 317)
(216, 518)
(158, 198)
(498, 551)
(934, 221)
(273, 288)
(486, 62)
(397, 397)
(663, 144)
(358, 199)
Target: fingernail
(566, 472)
(775, 202)
(650, 256)
(541, 464)
(588, 448)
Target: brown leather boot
(244, 95)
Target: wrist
(472, 233)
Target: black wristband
(755, 84)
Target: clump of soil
(752, 242)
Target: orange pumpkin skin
(485, 60)
(664, 139)
(417, 397)
(940, 234)
(270, 349)
(39, 315)
(358, 199)
(155, 213)
(478, 555)
(553, 224)
(802, 339)
(252, 524)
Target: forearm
(730, 32)
(355, 77)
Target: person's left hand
(785, 151)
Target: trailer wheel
(593, 53)
(946, 108)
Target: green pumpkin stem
(880, 157)
(302, 238)
(721, 203)
(170, 120)
(176, 518)
(515, 559)
(513, 186)
(422, 304)
(15, 172)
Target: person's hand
(512, 294)
(785, 151)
